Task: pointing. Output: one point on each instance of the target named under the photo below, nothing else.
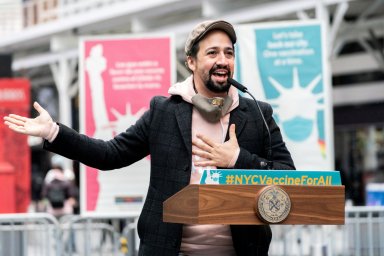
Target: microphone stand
(269, 163)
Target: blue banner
(285, 65)
(275, 177)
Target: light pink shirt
(206, 239)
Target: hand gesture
(216, 154)
(39, 126)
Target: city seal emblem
(273, 204)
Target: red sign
(15, 167)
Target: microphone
(269, 163)
(238, 85)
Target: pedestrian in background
(59, 190)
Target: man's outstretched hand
(40, 126)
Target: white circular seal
(273, 204)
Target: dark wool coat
(164, 132)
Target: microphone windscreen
(237, 85)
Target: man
(59, 192)
(59, 189)
(203, 124)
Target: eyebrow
(217, 47)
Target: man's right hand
(40, 126)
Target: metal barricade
(29, 234)
(41, 234)
(99, 234)
(364, 231)
(362, 235)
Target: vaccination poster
(118, 77)
(285, 64)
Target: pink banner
(119, 78)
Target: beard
(214, 86)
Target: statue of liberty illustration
(112, 184)
(297, 115)
(213, 177)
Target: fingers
(15, 119)
(16, 123)
(15, 128)
(204, 163)
(232, 132)
(206, 140)
(201, 153)
(203, 145)
(39, 108)
(12, 117)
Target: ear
(191, 63)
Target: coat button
(187, 169)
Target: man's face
(213, 64)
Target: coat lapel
(184, 120)
(239, 118)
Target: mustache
(216, 67)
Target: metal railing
(362, 235)
(365, 230)
(19, 231)
(41, 234)
(89, 235)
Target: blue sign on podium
(267, 177)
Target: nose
(222, 59)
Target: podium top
(235, 205)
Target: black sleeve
(123, 150)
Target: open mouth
(220, 75)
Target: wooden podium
(235, 204)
